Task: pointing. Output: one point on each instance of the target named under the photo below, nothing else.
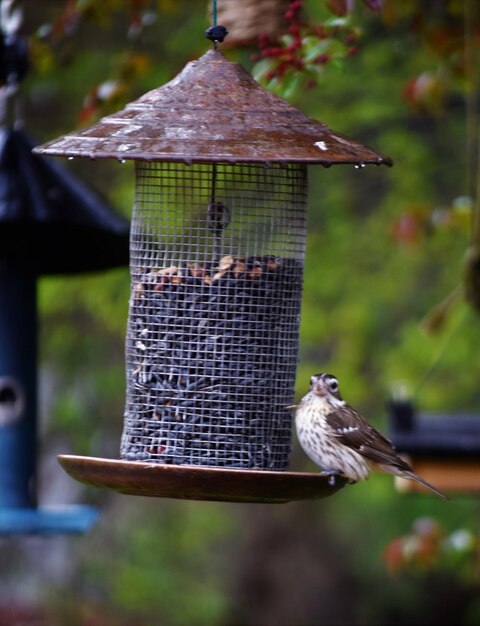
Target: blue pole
(19, 513)
(18, 388)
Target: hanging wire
(214, 12)
(443, 348)
(213, 189)
(470, 288)
(218, 216)
(472, 120)
(472, 258)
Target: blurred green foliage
(384, 248)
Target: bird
(341, 441)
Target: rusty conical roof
(213, 111)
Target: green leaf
(338, 22)
(290, 85)
(313, 51)
(287, 40)
(262, 68)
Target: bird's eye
(333, 384)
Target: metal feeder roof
(50, 222)
(213, 111)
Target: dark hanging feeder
(216, 258)
(50, 223)
(443, 449)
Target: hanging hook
(215, 33)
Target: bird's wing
(352, 430)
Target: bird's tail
(426, 484)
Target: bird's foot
(332, 475)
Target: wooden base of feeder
(198, 483)
(450, 475)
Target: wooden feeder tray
(187, 482)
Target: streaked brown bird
(341, 441)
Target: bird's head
(325, 385)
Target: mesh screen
(216, 265)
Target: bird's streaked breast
(319, 441)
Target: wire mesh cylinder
(217, 256)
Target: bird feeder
(216, 258)
(50, 223)
(444, 449)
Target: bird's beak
(319, 389)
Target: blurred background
(386, 247)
